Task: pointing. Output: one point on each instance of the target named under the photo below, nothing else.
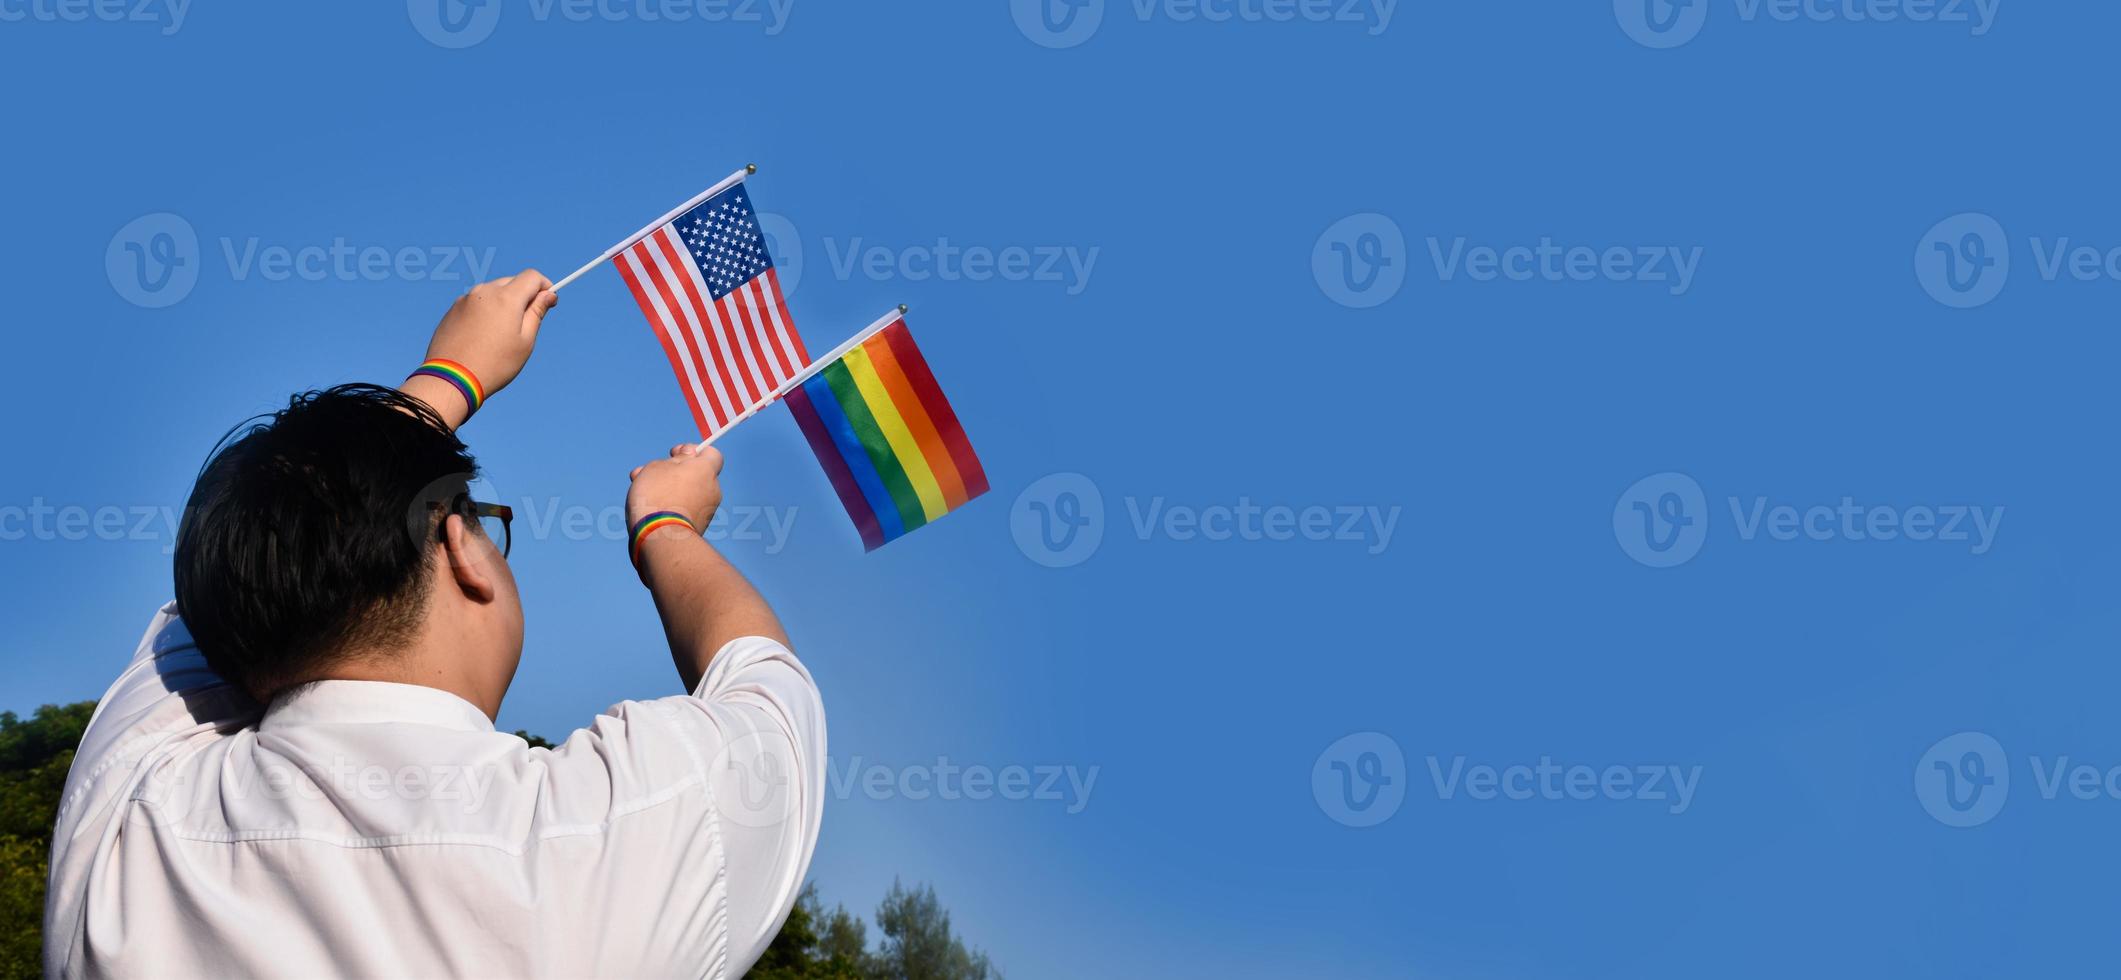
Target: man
(298, 775)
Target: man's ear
(467, 553)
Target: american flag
(710, 291)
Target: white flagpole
(726, 183)
(811, 371)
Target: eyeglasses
(496, 518)
(493, 518)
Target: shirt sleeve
(751, 736)
(166, 694)
(767, 780)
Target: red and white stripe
(729, 354)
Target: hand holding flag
(488, 333)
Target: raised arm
(489, 333)
(704, 601)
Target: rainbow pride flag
(886, 436)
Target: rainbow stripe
(652, 523)
(456, 374)
(887, 438)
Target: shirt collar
(338, 702)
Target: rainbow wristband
(650, 524)
(458, 375)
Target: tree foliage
(814, 944)
(34, 756)
(917, 942)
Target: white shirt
(373, 829)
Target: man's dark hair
(308, 532)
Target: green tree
(842, 940)
(800, 951)
(918, 944)
(34, 756)
(536, 741)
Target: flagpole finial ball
(902, 307)
(751, 168)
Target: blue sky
(1667, 440)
